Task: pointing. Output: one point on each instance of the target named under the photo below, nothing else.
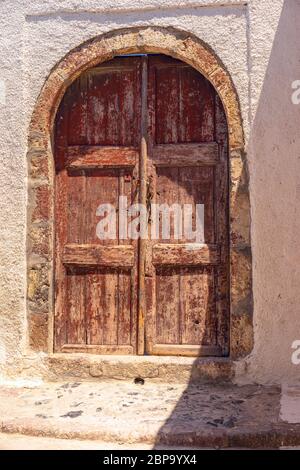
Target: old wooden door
(152, 129)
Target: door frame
(193, 51)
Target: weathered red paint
(187, 308)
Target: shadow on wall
(274, 163)
(274, 166)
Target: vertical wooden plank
(97, 108)
(167, 193)
(167, 91)
(143, 202)
(113, 96)
(76, 320)
(109, 304)
(134, 198)
(76, 135)
(197, 107)
(196, 186)
(77, 110)
(124, 312)
(198, 308)
(128, 105)
(167, 306)
(76, 208)
(125, 320)
(102, 302)
(102, 188)
(95, 317)
(150, 272)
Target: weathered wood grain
(98, 349)
(96, 255)
(186, 154)
(89, 157)
(143, 202)
(189, 254)
(186, 350)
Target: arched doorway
(41, 170)
(146, 129)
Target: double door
(149, 278)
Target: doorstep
(149, 368)
(156, 414)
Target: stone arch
(189, 49)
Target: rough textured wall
(13, 192)
(274, 157)
(257, 42)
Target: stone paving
(150, 414)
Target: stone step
(153, 414)
(59, 367)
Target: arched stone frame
(180, 45)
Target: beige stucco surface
(257, 42)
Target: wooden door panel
(184, 103)
(97, 136)
(102, 187)
(188, 185)
(103, 293)
(103, 303)
(111, 113)
(167, 315)
(196, 103)
(186, 159)
(188, 296)
(198, 306)
(86, 191)
(166, 193)
(167, 126)
(104, 105)
(196, 186)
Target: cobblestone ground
(149, 414)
